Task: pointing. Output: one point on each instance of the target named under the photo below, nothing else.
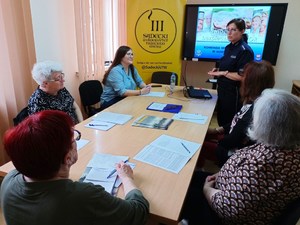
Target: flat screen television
(205, 34)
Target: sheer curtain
(100, 30)
(16, 59)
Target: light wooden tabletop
(165, 190)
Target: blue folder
(171, 108)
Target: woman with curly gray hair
(258, 183)
(51, 93)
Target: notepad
(162, 107)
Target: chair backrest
(163, 77)
(90, 92)
(290, 215)
(21, 116)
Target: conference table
(164, 190)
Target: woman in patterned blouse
(221, 142)
(257, 182)
(51, 93)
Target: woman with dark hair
(43, 149)
(258, 183)
(122, 79)
(257, 77)
(229, 74)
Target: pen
(185, 147)
(114, 170)
(93, 125)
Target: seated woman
(122, 79)
(257, 76)
(51, 93)
(43, 149)
(257, 182)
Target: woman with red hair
(43, 149)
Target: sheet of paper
(157, 106)
(176, 145)
(101, 160)
(155, 94)
(101, 174)
(162, 158)
(110, 117)
(108, 186)
(190, 117)
(99, 125)
(81, 143)
(169, 153)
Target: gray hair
(42, 71)
(276, 119)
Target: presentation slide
(211, 33)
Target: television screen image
(206, 33)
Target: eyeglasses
(77, 135)
(60, 77)
(129, 53)
(231, 30)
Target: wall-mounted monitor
(205, 34)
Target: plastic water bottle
(172, 82)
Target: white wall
(54, 34)
(55, 38)
(288, 64)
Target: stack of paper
(169, 153)
(99, 168)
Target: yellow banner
(155, 32)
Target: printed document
(169, 153)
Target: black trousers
(228, 103)
(196, 208)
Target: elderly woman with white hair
(258, 182)
(51, 93)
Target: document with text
(99, 171)
(169, 153)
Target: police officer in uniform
(236, 55)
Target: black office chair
(90, 92)
(21, 116)
(163, 77)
